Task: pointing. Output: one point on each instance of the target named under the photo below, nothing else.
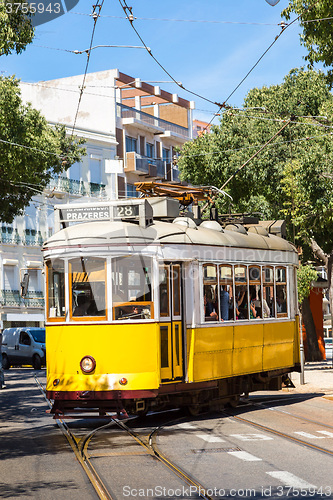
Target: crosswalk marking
(210, 439)
(251, 437)
(186, 425)
(243, 455)
(308, 435)
(327, 433)
(290, 479)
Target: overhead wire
(281, 143)
(283, 29)
(31, 148)
(130, 17)
(205, 21)
(95, 16)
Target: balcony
(32, 238)
(61, 185)
(12, 298)
(9, 237)
(132, 116)
(141, 165)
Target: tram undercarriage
(197, 397)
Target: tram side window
(131, 288)
(226, 293)
(268, 292)
(55, 289)
(241, 297)
(210, 292)
(164, 291)
(256, 306)
(281, 291)
(87, 287)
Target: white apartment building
(131, 129)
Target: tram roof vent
(258, 230)
(276, 227)
(163, 207)
(211, 224)
(185, 221)
(237, 228)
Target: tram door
(171, 326)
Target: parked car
(23, 346)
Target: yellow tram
(150, 309)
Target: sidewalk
(318, 377)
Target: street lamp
(272, 2)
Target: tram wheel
(5, 362)
(194, 410)
(234, 400)
(36, 362)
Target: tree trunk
(313, 353)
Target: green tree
(316, 35)
(31, 151)
(292, 177)
(16, 30)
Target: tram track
(80, 444)
(282, 434)
(80, 447)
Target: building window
(95, 169)
(131, 191)
(150, 150)
(166, 155)
(131, 144)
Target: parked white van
(23, 346)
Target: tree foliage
(305, 275)
(31, 151)
(317, 34)
(291, 178)
(16, 30)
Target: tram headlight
(123, 381)
(87, 364)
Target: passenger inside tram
(241, 302)
(210, 303)
(224, 303)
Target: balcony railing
(33, 240)
(64, 185)
(152, 167)
(10, 239)
(13, 298)
(128, 112)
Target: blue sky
(209, 58)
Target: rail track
(80, 447)
(261, 405)
(81, 442)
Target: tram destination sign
(85, 214)
(75, 213)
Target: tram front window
(87, 280)
(55, 289)
(131, 288)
